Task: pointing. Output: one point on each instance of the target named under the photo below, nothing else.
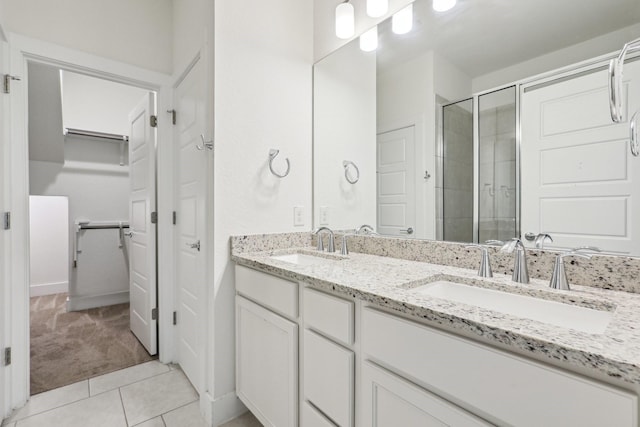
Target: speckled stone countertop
(388, 282)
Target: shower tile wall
(497, 184)
(455, 189)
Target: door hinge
(7, 356)
(173, 116)
(154, 314)
(175, 317)
(153, 121)
(175, 217)
(7, 82)
(154, 217)
(6, 221)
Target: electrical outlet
(298, 216)
(324, 215)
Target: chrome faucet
(365, 229)
(485, 262)
(559, 275)
(520, 272)
(540, 239)
(331, 247)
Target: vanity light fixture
(369, 40)
(402, 21)
(443, 5)
(377, 8)
(345, 20)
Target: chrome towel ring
(347, 164)
(272, 155)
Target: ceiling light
(345, 21)
(369, 40)
(377, 8)
(402, 22)
(443, 5)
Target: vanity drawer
(278, 294)
(329, 315)
(328, 380)
(498, 386)
(312, 418)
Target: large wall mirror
(486, 122)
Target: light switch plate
(324, 215)
(298, 216)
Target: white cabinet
(390, 401)
(267, 364)
(498, 386)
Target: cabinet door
(390, 401)
(267, 364)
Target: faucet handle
(573, 253)
(494, 242)
(541, 238)
(485, 262)
(586, 248)
(512, 245)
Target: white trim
(40, 289)
(226, 408)
(23, 49)
(93, 301)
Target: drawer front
(278, 294)
(328, 380)
(312, 418)
(493, 384)
(388, 400)
(330, 315)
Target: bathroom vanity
(362, 340)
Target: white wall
(579, 52)
(135, 32)
(325, 40)
(46, 141)
(192, 26)
(5, 289)
(263, 56)
(345, 129)
(97, 105)
(49, 243)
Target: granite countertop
(388, 282)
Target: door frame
(21, 50)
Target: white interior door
(4, 296)
(142, 202)
(190, 222)
(396, 195)
(577, 169)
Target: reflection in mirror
(434, 167)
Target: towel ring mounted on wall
(347, 164)
(272, 155)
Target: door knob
(128, 233)
(407, 230)
(195, 245)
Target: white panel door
(396, 196)
(190, 225)
(577, 169)
(142, 202)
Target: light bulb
(443, 5)
(402, 21)
(345, 21)
(369, 40)
(377, 8)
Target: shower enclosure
(477, 191)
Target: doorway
(92, 250)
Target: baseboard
(93, 301)
(226, 408)
(40, 289)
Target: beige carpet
(70, 347)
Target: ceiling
(481, 36)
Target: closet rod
(100, 226)
(92, 134)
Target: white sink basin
(555, 313)
(302, 259)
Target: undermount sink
(302, 259)
(551, 312)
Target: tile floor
(146, 395)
